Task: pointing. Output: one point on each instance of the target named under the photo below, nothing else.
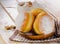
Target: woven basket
(19, 38)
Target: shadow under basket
(19, 38)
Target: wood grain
(1, 40)
(7, 12)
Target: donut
(27, 23)
(43, 24)
(37, 37)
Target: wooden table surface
(10, 6)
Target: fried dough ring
(37, 37)
(37, 29)
(28, 21)
(36, 23)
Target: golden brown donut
(37, 37)
(41, 21)
(27, 23)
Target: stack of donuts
(39, 23)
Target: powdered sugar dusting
(47, 25)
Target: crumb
(10, 27)
(7, 27)
(21, 3)
(29, 4)
(13, 27)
